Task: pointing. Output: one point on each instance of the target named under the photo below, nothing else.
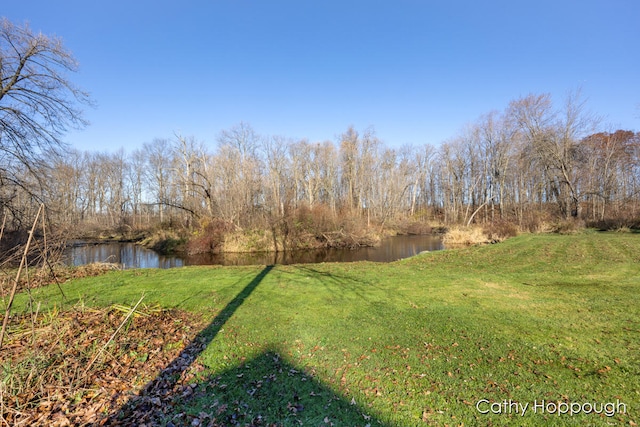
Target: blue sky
(417, 71)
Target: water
(131, 255)
(127, 254)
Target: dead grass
(464, 236)
(249, 241)
(623, 229)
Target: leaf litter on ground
(44, 375)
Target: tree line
(532, 163)
(528, 165)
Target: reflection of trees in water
(131, 255)
(128, 255)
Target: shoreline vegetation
(538, 317)
(219, 237)
(168, 242)
(216, 236)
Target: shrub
(209, 238)
(500, 230)
(614, 224)
(568, 226)
(535, 221)
(164, 241)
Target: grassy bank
(417, 342)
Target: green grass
(416, 342)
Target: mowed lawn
(508, 334)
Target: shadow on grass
(150, 404)
(343, 285)
(265, 391)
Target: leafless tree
(358, 155)
(241, 169)
(612, 159)
(135, 184)
(327, 159)
(530, 163)
(554, 137)
(276, 174)
(38, 105)
(159, 158)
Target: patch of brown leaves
(40, 276)
(62, 369)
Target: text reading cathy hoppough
(545, 407)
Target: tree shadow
(264, 391)
(267, 390)
(339, 284)
(160, 391)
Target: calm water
(134, 256)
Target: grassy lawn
(437, 339)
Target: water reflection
(130, 255)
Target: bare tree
(159, 167)
(609, 171)
(455, 179)
(359, 154)
(242, 169)
(135, 181)
(328, 163)
(496, 139)
(241, 137)
(277, 165)
(195, 176)
(38, 105)
(66, 188)
(554, 138)
(426, 178)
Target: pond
(131, 255)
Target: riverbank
(131, 255)
(304, 232)
(251, 241)
(217, 237)
(423, 340)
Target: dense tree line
(530, 164)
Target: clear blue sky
(417, 71)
